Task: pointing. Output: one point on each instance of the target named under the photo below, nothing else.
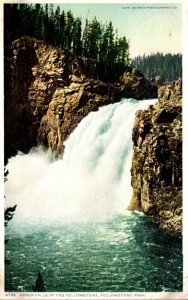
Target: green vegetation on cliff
(93, 40)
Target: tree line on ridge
(163, 68)
(92, 40)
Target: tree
(57, 33)
(94, 33)
(12, 22)
(50, 26)
(103, 51)
(62, 30)
(162, 68)
(85, 39)
(8, 214)
(38, 21)
(39, 284)
(76, 37)
(9, 211)
(69, 30)
(123, 51)
(110, 59)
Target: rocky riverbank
(157, 159)
(48, 92)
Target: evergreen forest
(163, 68)
(92, 39)
(87, 39)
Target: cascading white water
(91, 181)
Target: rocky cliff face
(157, 159)
(48, 91)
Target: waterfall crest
(91, 181)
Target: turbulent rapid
(71, 222)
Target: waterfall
(91, 181)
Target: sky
(150, 28)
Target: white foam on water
(91, 181)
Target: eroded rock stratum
(48, 92)
(157, 159)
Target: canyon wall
(157, 159)
(48, 92)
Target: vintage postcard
(94, 201)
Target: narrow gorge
(95, 170)
(48, 92)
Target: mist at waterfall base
(71, 222)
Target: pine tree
(85, 39)
(163, 68)
(50, 34)
(69, 30)
(39, 284)
(123, 53)
(8, 214)
(9, 211)
(76, 37)
(37, 21)
(62, 30)
(110, 59)
(103, 52)
(94, 34)
(45, 22)
(57, 28)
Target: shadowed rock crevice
(18, 112)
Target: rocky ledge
(48, 91)
(157, 159)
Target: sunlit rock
(48, 92)
(157, 159)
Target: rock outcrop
(157, 159)
(48, 91)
